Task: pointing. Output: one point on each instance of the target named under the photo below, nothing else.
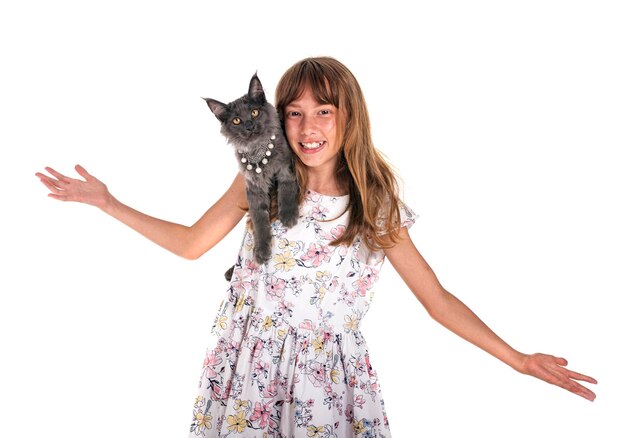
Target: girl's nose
(308, 126)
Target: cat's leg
(258, 203)
(287, 194)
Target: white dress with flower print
(289, 359)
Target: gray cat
(251, 124)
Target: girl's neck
(326, 185)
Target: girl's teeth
(312, 145)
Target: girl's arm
(186, 241)
(450, 312)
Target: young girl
(289, 359)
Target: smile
(312, 145)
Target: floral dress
(289, 359)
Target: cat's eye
(236, 121)
(255, 113)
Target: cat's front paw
(288, 217)
(262, 254)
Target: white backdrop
(505, 120)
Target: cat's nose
(248, 125)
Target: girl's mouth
(311, 147)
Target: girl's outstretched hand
(552, 370)
(88, 191)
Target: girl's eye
(236, 121)
(255, 113)
(325, 112)
(293, 113)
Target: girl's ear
(218, 108)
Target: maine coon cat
(252, 126)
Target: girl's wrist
(518, 361)
(110, 205)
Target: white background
(505, 120)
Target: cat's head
(246, 120)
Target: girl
(289, 358)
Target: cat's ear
(255, 91)
(218, 108)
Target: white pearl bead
(264, 161)
(258, 170)
(271, 146)
(243, 160)
(249, 167)
(273, 137)
(268, 153)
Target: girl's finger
(57, 197)
(58, 175)
(82, 172)
(577, 376)
(51, 186)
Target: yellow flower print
(267, 323)
(318, 344)
(314, 431)
(241, 404)
(285, 261)
(221, 322)
(237, 422)
(203, 421)
(358, 427)
(322, 275)
(334, 375)
(351, 322)
(285, 243)
(240, 302)
(199, 401)
(282, 333)
(322, 292)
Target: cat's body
(252, 126)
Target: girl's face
(311, 129)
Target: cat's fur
(251, 137)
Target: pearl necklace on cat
(261, 157)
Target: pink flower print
(216, 390)
(374, 387)
(317, 254)
(366, 281)
(313, 196)
(358, 363)
(210, 362)
(316, 374)
(271, 390)
(334, 234)
(261, 412)
(319, 212)
(226, 393)
(326, 335)
(285, 307)
(275, 288)
(261, 368)
(307, 324)
(251, 266)
(349, 413)
(359, 401)
(241, 280)
(352, 381)
(257, 350)
(370, 370)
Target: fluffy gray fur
(250, 136)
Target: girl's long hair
(362, 170)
